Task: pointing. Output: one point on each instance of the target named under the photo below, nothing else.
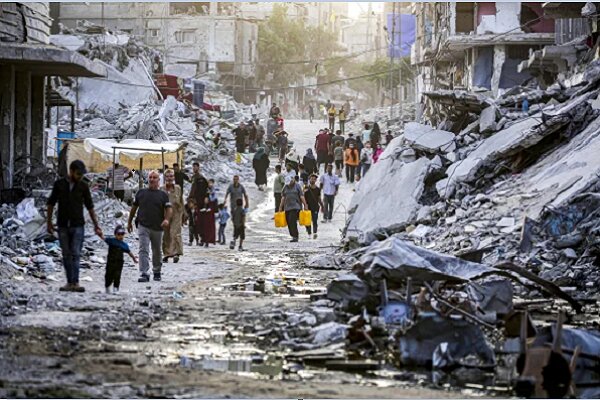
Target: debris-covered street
(405, 206)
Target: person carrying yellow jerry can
(292, 203)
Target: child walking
(190, 209)
(238, 216)
(223, 216)
(114, 260)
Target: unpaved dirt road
(190, 335)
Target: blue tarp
(402, 28)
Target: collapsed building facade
(195, 38)
(476, 46)
(26, 60)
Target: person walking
(172, 243)
(260, 134)
(260, 163)
(351, 161)
(322, 148)
(71, 195)
(350, 140)
(275, 112)
(121, 173)
(251, 130)
(310, 162)
(293, 159)
(238, 217)
(338, 158)
(240, 138)
(114, 259)
(312, 194)
(375, 136)
(366, 134)
(180, 177)
(377, 153)
(342, 119)
(155, 212)
(292, 201)
(278, 185)
(282, 143)
(311, 113)
(388, 137)
(191, 210)
(236, 191)
(198, 192)
(330, 184)
(366, 158)
(223, 216)
(332, 112)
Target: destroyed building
(476, 45)
(195, 38)
(27, 60)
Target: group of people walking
(158, 213)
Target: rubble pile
(497, 179)
(128, 61)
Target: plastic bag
(26, 210)
(305, 218)
(280, 221)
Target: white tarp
(97, 154)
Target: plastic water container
(62, 135)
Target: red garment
(322, 142)
(377, 154)
(205, 226)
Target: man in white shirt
(330, 184)
(366, 134)
(121, 173)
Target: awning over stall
(98, 153)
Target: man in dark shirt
(180, 176)
(71, 194)
(240, 138)
(312, 194)
(153, 217)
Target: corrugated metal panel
(567, 29)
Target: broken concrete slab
(380, 206)
(427, 138)
(487, 120)
(504, 143)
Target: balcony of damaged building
(27, 60)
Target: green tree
(288, 49)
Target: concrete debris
(377, 206)
(426, 138)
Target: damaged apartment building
(195, 37)
(26, 61)
(477, 46)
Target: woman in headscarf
(291, 158)
(310, 162)
(172, 245)
(260, 163)
(375, 135)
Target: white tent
(98, 154)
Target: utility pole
(391, 50)
(400, 62)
